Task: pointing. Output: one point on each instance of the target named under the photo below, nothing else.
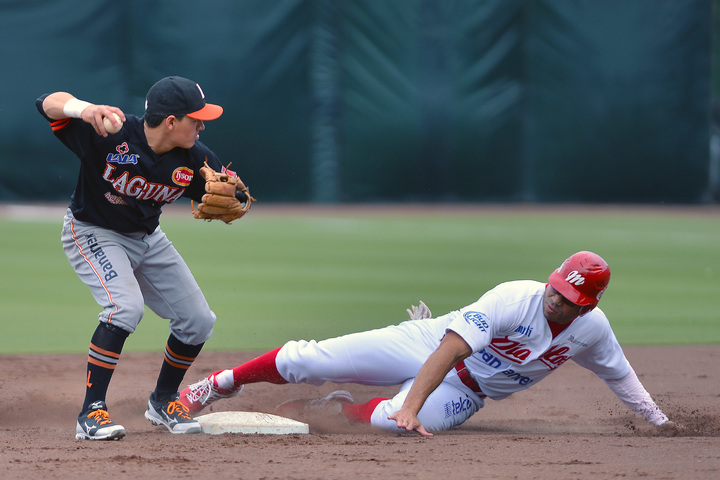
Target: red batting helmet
(582, 279)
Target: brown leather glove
(221, 201)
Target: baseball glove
(227, 197)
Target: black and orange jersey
(123, 184)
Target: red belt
(467, 379)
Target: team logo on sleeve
(478, 319)
(182, 176)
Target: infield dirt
(570, 426)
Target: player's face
(557, 308)
(187, 131)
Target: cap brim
(208, 112)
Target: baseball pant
(387, 356)
(125, 272)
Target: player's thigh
(384, 356)
(101, 260)
(445, 408)
(164, 272)
(171, 291)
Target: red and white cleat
(201, 394)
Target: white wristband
(73, 108)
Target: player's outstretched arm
(633, 394)
(452, 350)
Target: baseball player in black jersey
(112, 238)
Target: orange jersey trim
(59, 124)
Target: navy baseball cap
(179, 96)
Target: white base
(249, 423)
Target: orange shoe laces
(101, 417)
(178, 408)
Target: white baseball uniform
(513, 349)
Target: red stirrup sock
(361, 412)
(260, 369)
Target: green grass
(273, 277)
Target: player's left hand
(409, 422)
(419, 312)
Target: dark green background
(389, 100)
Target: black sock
(178, 358)
(105, 347)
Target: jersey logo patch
(122, 156)
(182, 176)
(555, 356)
(140, 188)
(114, 199)
(478, 319)
(453, 407)
(522, 330)
(512, 350)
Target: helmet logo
(575, 278)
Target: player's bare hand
(94, 115)
(409, 422)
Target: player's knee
(447, 407)
(127, 316)
(301, 361)
(197, 331)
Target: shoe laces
(200, 391)
(177, 409)
(101, 417)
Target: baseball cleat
(201, 394)
(95, 424)
(331, 403)
(173, 415)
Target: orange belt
(467, 379)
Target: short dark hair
(155, 120)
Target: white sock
(225, 380)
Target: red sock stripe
(362, 412)
(260, 369)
